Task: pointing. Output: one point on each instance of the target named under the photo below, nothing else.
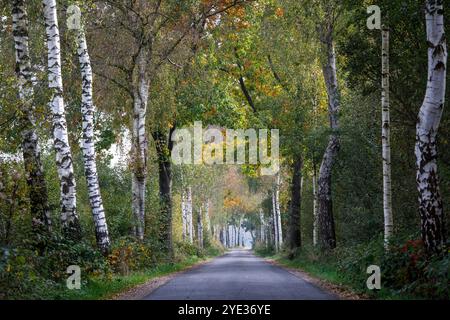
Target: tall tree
(327, 233)
(315, 206)
(164, 146)
(386, 140)
(64, 162)
(200, 227)
(88, 145)
(430, 201)
(294, 231)
(37, 187)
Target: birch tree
(37, 187)
(184, 215)
(88, 144)
(275, 221)
(64, 161)
(262, 227)
(430, 200)
(386, 140)
(278, 212)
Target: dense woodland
(90, 97)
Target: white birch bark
(275, 221)
(88, 145)
(64, 162)
(140, 144)
(430, 201)
(184, 214)
(386, 141)
(262, 226)
(37, 188)
(277, 202)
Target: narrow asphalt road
(239, 275)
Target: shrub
(128, 255)
(409, 270)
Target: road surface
(238, 275)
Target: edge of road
(340, 291)
(141, 291)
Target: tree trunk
(209, 232)
(386, 141)
(163, 150)
(88, 146)
(37, 187)
(227, 236)
(69, 217)
(294, 237)
(139, 144)
(262, 226)
(184, 214)
(275, 221)
(190, 228)
(238, 241)
(278, 212)
(430, 202)
(327, 236)
(315, 207)
(200, 227)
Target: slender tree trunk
(386, 141)
(163, 150)
(262, 226)
(327, 236)
(64, 161)
(278, 212)
(140, 144)
(227, 237)
(184, 213)
(200, 227)
(209, 231)
(190, 229)
(88, 146)
(37, 187)
(239, 234)
(294, 237)
(430, 202)
(275, 221)
(315, 207)
(270, 232)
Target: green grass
(327, 270)
(97, 288)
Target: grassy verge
(329, 272)
(98, 288)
